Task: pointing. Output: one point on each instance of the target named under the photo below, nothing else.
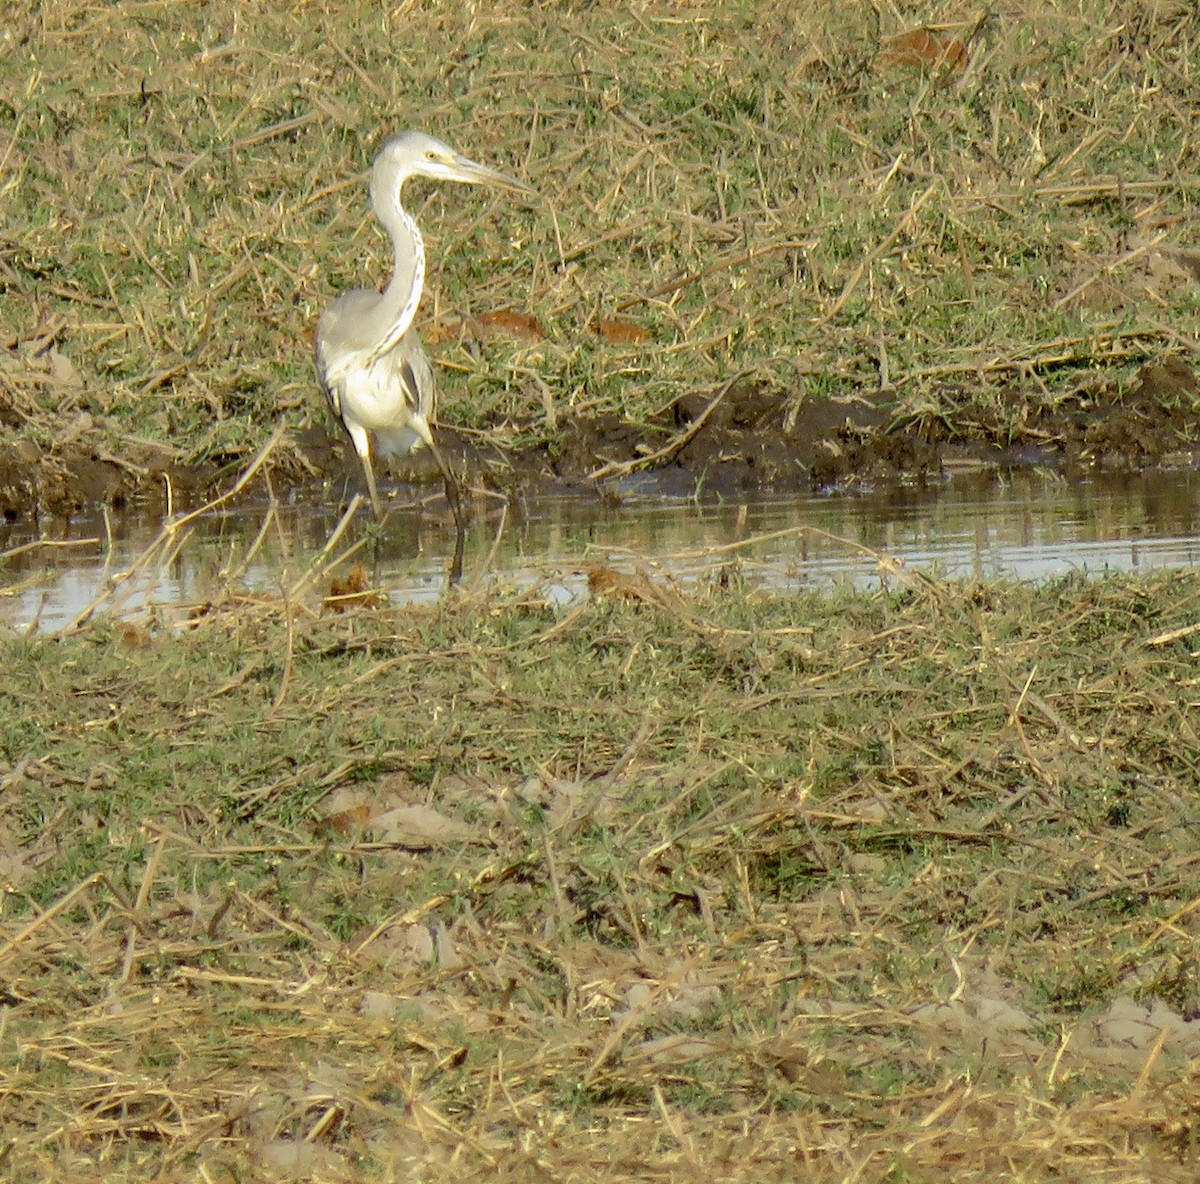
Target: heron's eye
(431, 155)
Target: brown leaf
(927, 49)
(507, 323)
(347, 822)
(621, 331)
(354, 590)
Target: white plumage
(369, 358)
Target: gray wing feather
(412, 370)
(328, 389)
(339, 333)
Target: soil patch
(742, 439)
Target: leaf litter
(890, 882)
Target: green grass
(182, 197)
(727, 867)
(814, 838)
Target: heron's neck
(403, 293)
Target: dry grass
(733, 885)
(871, 887)
(757, 188)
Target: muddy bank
(738, 440)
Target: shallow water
(1031, 526)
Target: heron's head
(415, 154)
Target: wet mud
(742, 440)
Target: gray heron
(369, 358)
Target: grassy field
(752, 188)
(894, 886)
(891, 886)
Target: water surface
(1030, 526)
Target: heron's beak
(473, 173)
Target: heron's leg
(376, 504)
(454, 497)
(362, 445)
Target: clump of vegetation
(871, 886)
(878, 883)
(981, 225)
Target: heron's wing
(340, 341)
(410, 369)
(329, 387)
(351, 324)
(417, 374)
